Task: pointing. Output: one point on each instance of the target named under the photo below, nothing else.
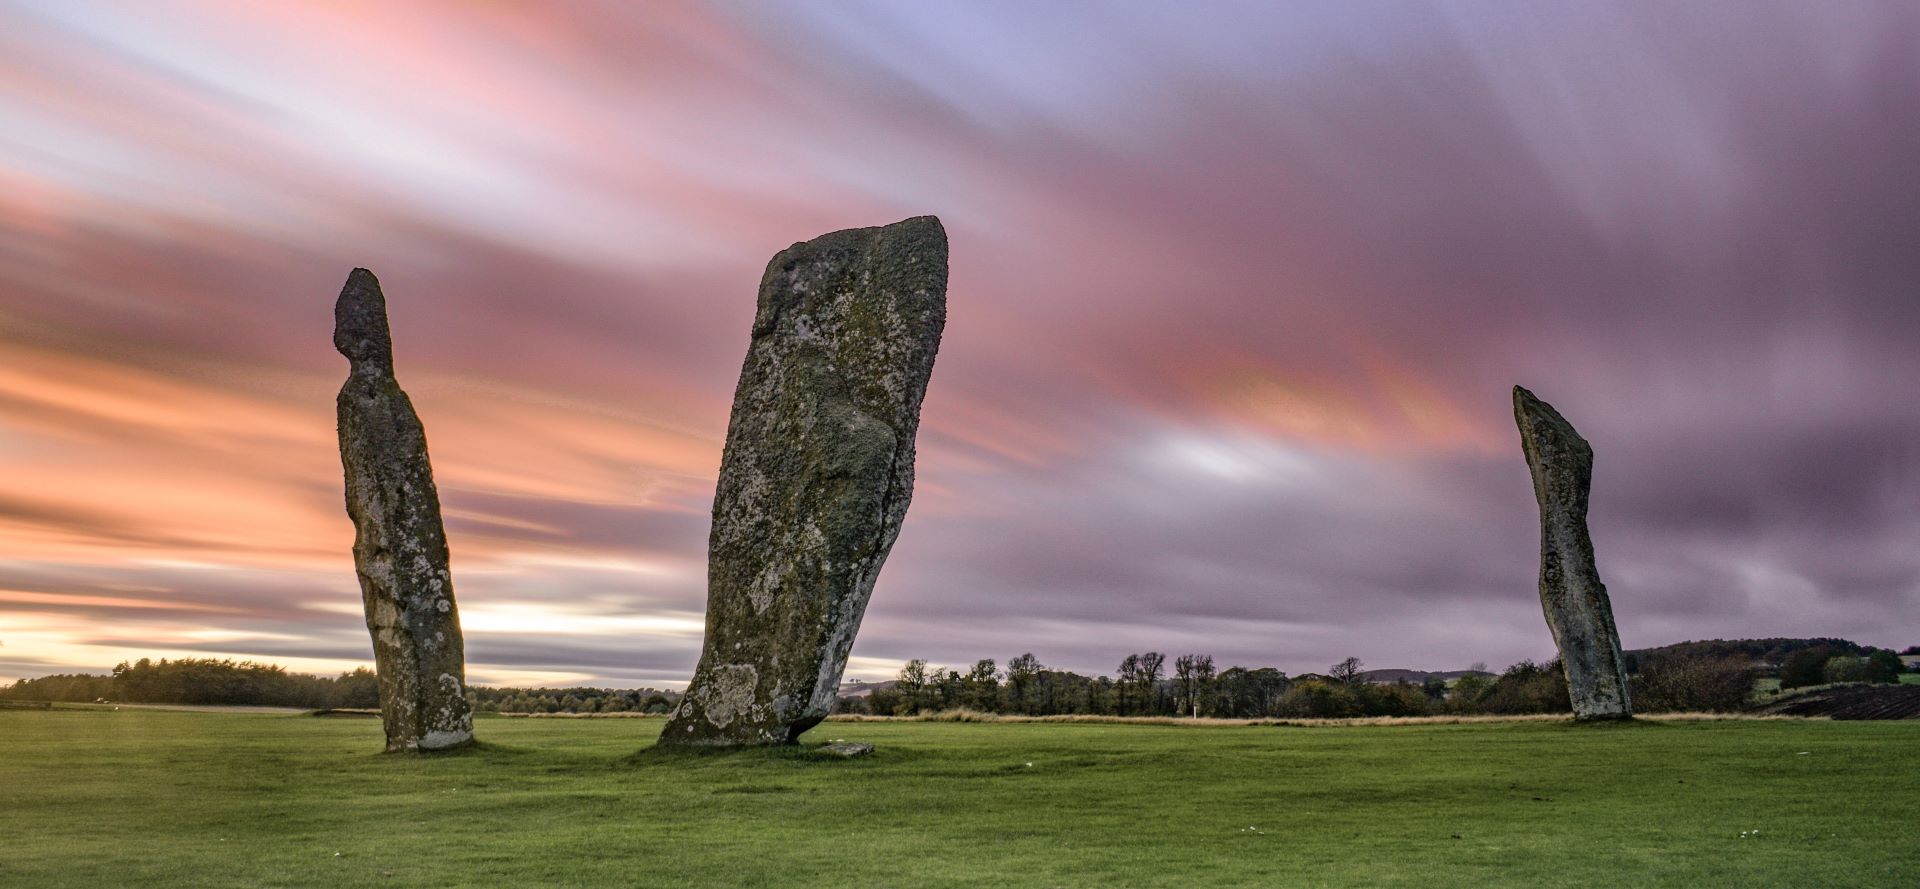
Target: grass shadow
(802, 755)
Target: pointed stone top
(1523, 398)
(1544, 432)
(360, 324)
(1530, 410)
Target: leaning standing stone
(399, 546)
(816, 476)
(1575, 601)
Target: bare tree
(1151, 665)
(1183, 682)
(1192, 677)
(1129, 678)
(1346, 672)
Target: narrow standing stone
(1575, 601)
(816, 476)
(399, 546)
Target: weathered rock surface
(1578, 611)
(816, 476)
(400, 546)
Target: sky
(1238, 295)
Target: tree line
(247, 683)
(205, 681)
(1709, 676)
(1713, 675)
(1148, 684)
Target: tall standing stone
(816, 476)
(1575, 601)
(399, 546)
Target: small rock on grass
(846, 750)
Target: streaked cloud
(1237, 295)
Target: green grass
(151, 798)
(1910, 678)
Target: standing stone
(1571, 593)
(399, 546)
(816, 476)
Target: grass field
(152, 798)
